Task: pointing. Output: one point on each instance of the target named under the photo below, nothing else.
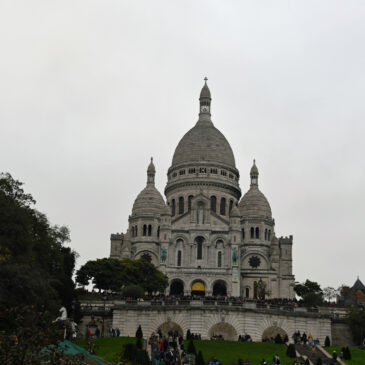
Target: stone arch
(217, 240)
(272, 332)
(177, 287)
(219, 287)
(226, 330)
(195, 281)
(168, 326)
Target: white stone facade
(205, 237)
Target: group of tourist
(165, 350)
(244, 338)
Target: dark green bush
(290, 351)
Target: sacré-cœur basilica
(206, 237)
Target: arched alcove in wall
(166, 327)
(220, 288)
(272, 332)
(224, 329)
(177, 287)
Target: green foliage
(191, 347)
(347, 354)
(36, 268)
(139, 333)
(113, 274)
(327, 342)
(310, 292)
(139, 343)
(188, 334)
(199, 359)
(278, 339)
(133, 291)
(356, 321)
(290, 351)
(135, 356)
(319, 361)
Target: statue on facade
(234, 256)
(163, 254)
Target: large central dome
(204, 143)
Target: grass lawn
(229, 351)
(357, 356)
(108, 347)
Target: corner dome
(255, 205)
(204, 143)
(148, 201)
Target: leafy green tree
(310, 292)
(356, 320)
(112, 274)
(133, 291)
(347, 354)
(36, 267)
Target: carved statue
(163, 254)
(234, 256)
(63, 316)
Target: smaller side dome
(254, 203)
(149, 200)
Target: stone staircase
(306, 352)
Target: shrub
(191, 347)
(135, 356)
(139, 333)
(278, 339)
(188, 334)
(347, 354)
(327, 342)
(290, 351)
(133, 291)
(199, 359)
(139, 343)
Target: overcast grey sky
(90, 90)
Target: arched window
(144, 230)
(190, 198)
(223, 206)
(243, 233)
(179, 258)
(173, 207)
(132, 231)
(247, 292)
(213, 204)
(265, 234)
(219, 259)
(252, 232)
(149, 230)
(257, 232)
(158, 232)
(230, 205)
(199, 253)
(200, 213)
(269, 235)
(181, 205)
(136, 231)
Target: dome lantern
(254, 174)
(205, 100)
(151, 172)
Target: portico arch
(177, 287)
(166, 327)
(224, 329)
(272, 332)
(220, 288)
(198, 287)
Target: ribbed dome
(254, 205)
(148, 201)
(204, 143)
